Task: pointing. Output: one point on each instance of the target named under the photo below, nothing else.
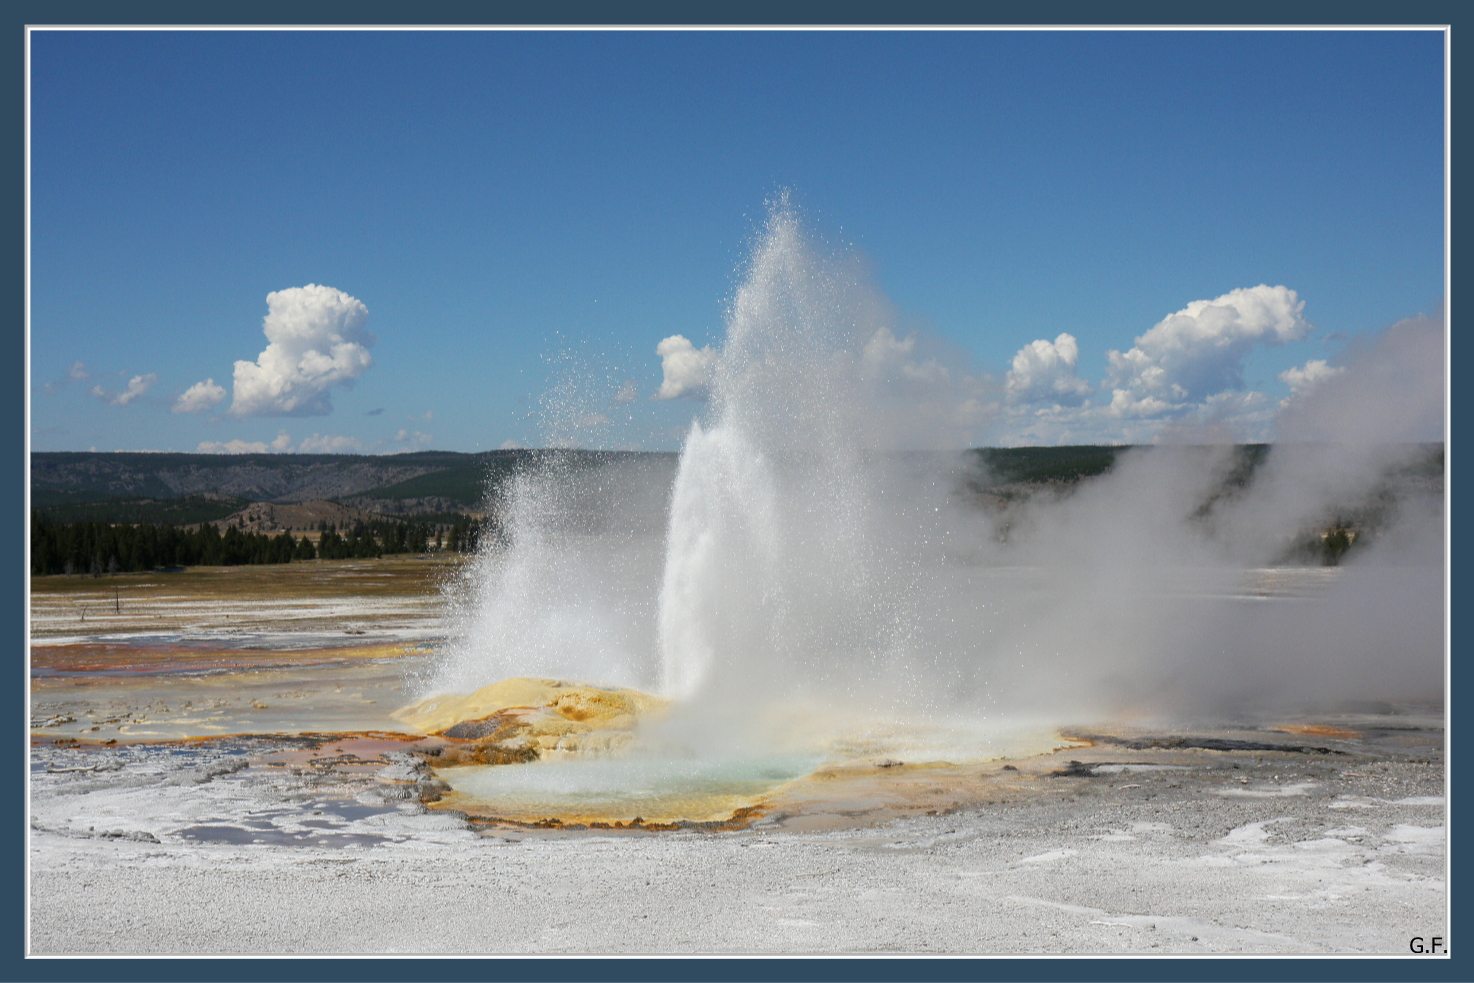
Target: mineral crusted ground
(180, 848)
(221, 791)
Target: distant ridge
(133, 486)
(443, 485)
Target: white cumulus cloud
(1306, 377)
(316, 340)
(78, 371)
(199, 397)
(137, 386)
(686, 368)
(1185, 371)
(1044, 371)
(1200, 350)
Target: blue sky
(526, 213)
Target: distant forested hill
(437, 486)
(255, 477)
(188, 488)
(191, 488)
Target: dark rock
(1075, 769)
(209, 772)
(142, 836)
(1206, 743)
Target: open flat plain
(215, 770)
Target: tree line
(95, 548)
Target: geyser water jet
(769, 544)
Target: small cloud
(282, 443)
(628, 392)
(686, 368)
(1308, 376)
(76, 373)
(1125, 403)
(199, 397)
(316, 341)
(329, 444)
(1045, 371)
(231, 447)
(513, 445)
(429, 415)
(137, 386)
(412, 440)
(886, 356)
(377, 412)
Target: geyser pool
(653, 789)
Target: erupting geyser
(782, 566)
(820, 576)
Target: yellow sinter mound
(539, 715)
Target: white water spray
(780, 566)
